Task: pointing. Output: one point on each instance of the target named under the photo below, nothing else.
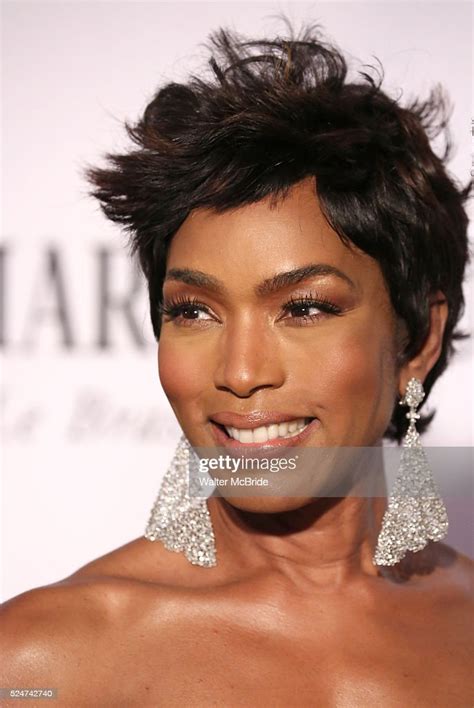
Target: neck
(329, 540)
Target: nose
(249, 359)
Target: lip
(222, 439)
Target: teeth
(273, 431)
(269, 432)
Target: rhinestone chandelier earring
(416, 513)
(180, 521)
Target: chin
(268, 505)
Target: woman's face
(246, 350)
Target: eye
(184, 310)
(302, 309)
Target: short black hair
(271, 113)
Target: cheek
(356, 379)
(351, 379)
(181, 371)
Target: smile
(264, 433)
(281, 430)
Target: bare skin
(142, 627)
(295, 613)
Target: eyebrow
(269, 285)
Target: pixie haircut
(271, 113)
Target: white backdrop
(87, 431)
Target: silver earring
(181, 522)
(416, 513)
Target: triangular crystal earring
(181, 522)
(416, 513)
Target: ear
(423, 362)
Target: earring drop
(182, 523)
(416, 513)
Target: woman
(304, 250)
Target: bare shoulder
(121, 594)
(90, 600)
(151, 565)
(57, 636)
(70, 635)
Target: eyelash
(174, 307)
